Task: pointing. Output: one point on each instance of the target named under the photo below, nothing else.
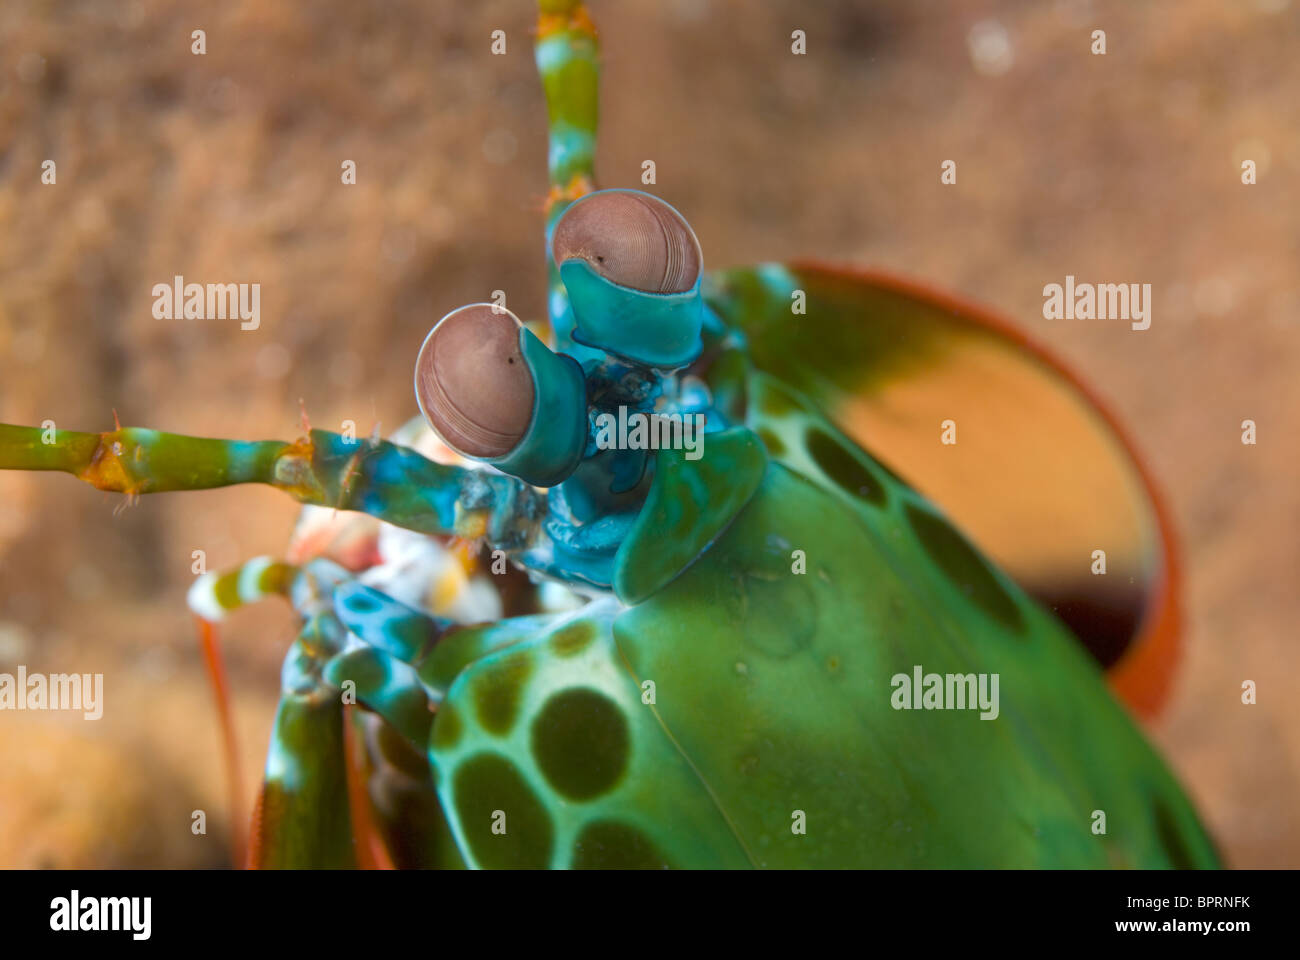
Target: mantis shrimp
(688, 650)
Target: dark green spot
(580, 742)
(498, 690)
(361, 603)
(367, 668)
(775, 445)
(606, 845)
(843, 467)
(486, 783)
(964, 567)
(447, 727)
(571, 640)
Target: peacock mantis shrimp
(686, 653)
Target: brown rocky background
(225, 168)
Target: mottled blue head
(631, 266)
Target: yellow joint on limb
(579, 186)
(294, 474)
(106, 471)
(471, 524)
(558, 15)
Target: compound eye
(472, 382)
(631, 239)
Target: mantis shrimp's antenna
(326, 469)
(566, 54)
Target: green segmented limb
(303, 816)
(326, 469)
(396, 636)
(305, 819)
(386, 624)
(386, 685)
(214, 595)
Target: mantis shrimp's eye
(496, 393)
(472, 382)
(631, 239)
(631, 266)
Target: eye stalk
(632, 266)
(496, 393)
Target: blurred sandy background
(225, 168)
